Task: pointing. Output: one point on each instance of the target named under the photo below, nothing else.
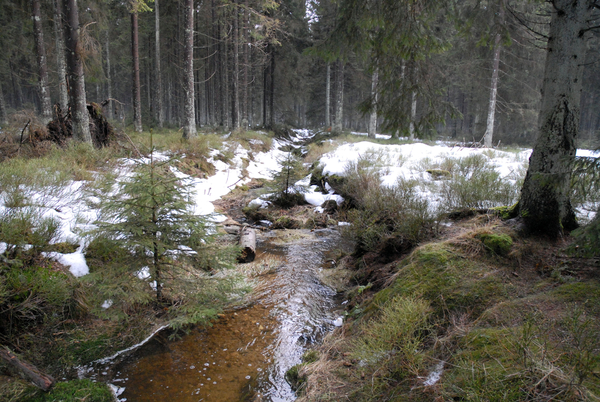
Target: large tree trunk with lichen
(42, 65)
(189, 126)
(545, 205)
(77, 100)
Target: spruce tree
(287, 193)
(153, 246)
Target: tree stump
(248, 245)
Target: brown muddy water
(244, 355)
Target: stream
(244, 355)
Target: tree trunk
(339, 113)
(63, 94)
(76, 79)
(272, 91)
(413, 116)
(27, 370)
(236, 67)
(40, 49)
(328, 97)
(111, 114)
(545, 205)
(226, 90)
(248, 245)
(189, 126)
(246, 50)
(489, 131)
(373, 116)
(3, 118)
(135, 54)
(159, 89)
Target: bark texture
(373, 116)
(159, 90)
(77, 99)
(27, 370)
(328, 97)
(109, 92)
(489, 130)
(42, 64)
(248, 245)
(189, 125)
(339, 112)
(59, 37)
(3, 119)
(544, 204)
(135, 54)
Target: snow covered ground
(394, 161)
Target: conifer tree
(163, 251)
(287, 193)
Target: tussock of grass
(503, 336)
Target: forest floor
(473, 311)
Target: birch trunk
(413, 116)
(489, 130)
(63, 94)
(339, 112)
(159, 89)
(328, 97)
(40, 49)
(189, 125)
(545, 205)
(373, 117)
(77, 99)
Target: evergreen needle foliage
(287, 193)
(150, 245)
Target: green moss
(75, 391)
(448, 280)
(506, 212)
(498, 243)
(286, 222)
(293, 377)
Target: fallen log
(248, 245)
(27, 371)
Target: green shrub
(383, 212)
(476, 184)
(31, 294)
(21, 228)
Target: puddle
(244, 355)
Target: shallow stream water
(244, 355)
